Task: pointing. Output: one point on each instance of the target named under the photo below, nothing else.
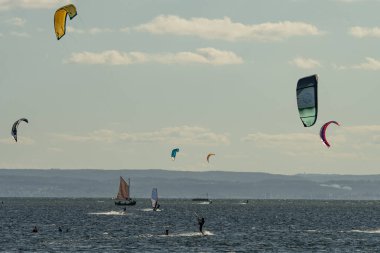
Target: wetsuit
(201, 221)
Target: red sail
(123, 193)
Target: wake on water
(189, 234)
(110, 213)
(184, 234)
(369, 231)
(150, 210)
(203, 203)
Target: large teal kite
(307, 99)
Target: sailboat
(122, 198)
(204, 200)
(154, 199)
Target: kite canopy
(15, 127)
(174, 153)
(322, 133)
(60, 19)
(307, 99)
(208, 156)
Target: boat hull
(200, 199)
(125, 203)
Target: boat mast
(129, 185)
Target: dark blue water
(96, 225)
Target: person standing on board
(201, 222)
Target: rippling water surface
(97, 225)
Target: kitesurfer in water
(201, 221)
(167, 232)
(35, 230)
(59, 229)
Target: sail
(154, 197)
(123, 190)
(307, 99)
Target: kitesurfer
(201, 221)
(59, 229)
(167, 232)
(35, 230)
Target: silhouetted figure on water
(167, 232)
(35, 230)
(201, 222)
(60, 229)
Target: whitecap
(110, 213)
(150, 210)
(369, 231)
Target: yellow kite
(60, 19)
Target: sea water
(97, 225)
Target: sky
(131, 80)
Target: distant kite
(322, 133)
(208, 156)
(174, 153)
(60, 19)
(307, 99)
(15, 126)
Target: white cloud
(210, 56)
(97, 30)
(225, 29)
(125, 29)
(369, 64)
(305, 63)
(55, 150)
(30, 4)
(20, 34)
(174, 135)
(364, 136)
(293, 144)
(92, 31)
(16, 21)
(365, 129)
(279, 138)
(362, 32)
